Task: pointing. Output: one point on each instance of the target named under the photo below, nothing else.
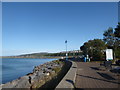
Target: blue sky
(44, 27)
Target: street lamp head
(66, 41)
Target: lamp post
(66, 50)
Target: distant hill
(32, 55)
(35, 54)
(46, 55)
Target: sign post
(109, 54)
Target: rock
(52, 72)
(24, 83)
(33, 76)
(39, 73)
(1, 86)
(10, 84)
(38, 77)
(47, 73)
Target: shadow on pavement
(70, 81)
(74, 67)
(106, 76)
(95, 68)
(99, 79)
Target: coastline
(40, 75)
(49, 57)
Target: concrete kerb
(69, 79)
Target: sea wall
(39, 76)
(69, 79)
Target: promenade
(89, 75)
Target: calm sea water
(13, 68)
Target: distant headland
(46, 55)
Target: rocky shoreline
(39, 76)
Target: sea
(13, 68)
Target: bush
(118, 62)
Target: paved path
(89, 76)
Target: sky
(29, 27)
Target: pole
(66, 50)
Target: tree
(94, 48)
(112, 39)
(109, 38)
(117, 31)
(117, 43)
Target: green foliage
(112, 39)
(57, 69)
(94, 48)
(117, 31)
(109, 37)
(117, 53)
(64, 54)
